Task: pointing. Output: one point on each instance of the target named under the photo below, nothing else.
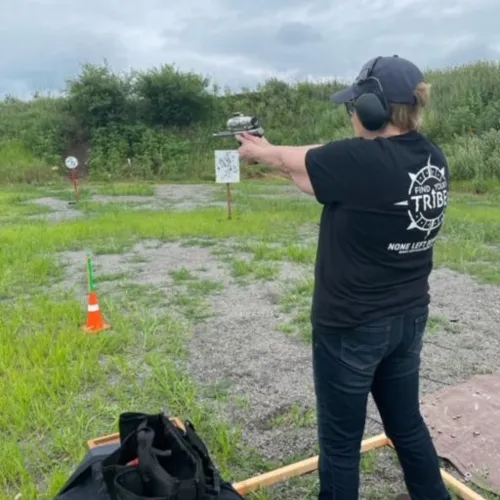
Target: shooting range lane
(259, 377)
(166, 197)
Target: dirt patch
(147, 265)
(167, 197)
(171, 197)
(466, 342)
(134, 199)
(61, 210)
(196, 193)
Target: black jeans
(382, 357)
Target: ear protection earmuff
(371, 105)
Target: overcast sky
(238, 43)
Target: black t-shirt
(384, 203)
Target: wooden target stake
(228, 200)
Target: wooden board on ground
(305, 467)
(297, 469)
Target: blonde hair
(410, 116)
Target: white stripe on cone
(93, 308)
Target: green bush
(475, 157)
(98, 98)
(18, 166)
(168, 98)
(41, 125)
(158, 124)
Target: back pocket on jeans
(419, 325)
(362, 350)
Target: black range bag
(154, 460)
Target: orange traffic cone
(95, 320)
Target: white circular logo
(428, 198)
(71, 162)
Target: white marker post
(71, 163)
(227, 171)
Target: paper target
(227, 167)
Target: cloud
(297, 33)
(236, 43)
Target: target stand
(71, 163)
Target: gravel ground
(167, 197)
(171, 197)
(266, 373)
(61, 210)
(185, 197)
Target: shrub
(158, 124)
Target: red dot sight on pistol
(239, 123)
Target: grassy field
(174, 274)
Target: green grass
(16, 205)
(297, 302)
(243, 270)
(295, 416)
(122, 189)
(436, 324)
(60, 387)
(65, 387)
(180, 275)
(472, 240)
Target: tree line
(158, 123)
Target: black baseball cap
(397, 76)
